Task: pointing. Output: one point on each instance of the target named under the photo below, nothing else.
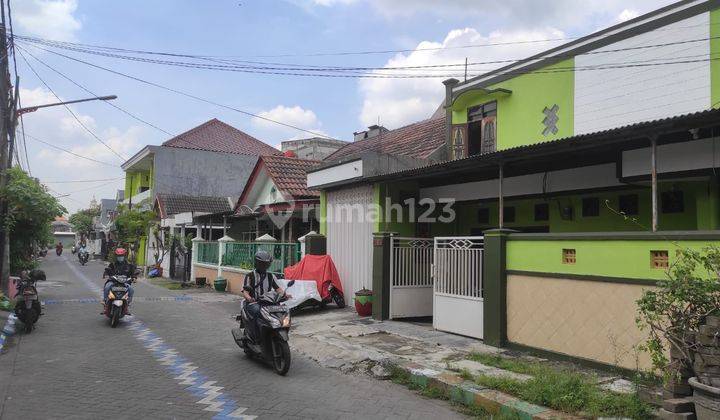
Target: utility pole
(5, 157)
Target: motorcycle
(116, 305)
(83, 256)
(58, 251)
(273, 325)
(73, 250)
(27, 303)
(43, 252)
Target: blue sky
(251, 29)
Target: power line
(92, 133)
(31, 137)
(134, 116)
(189, 95)
(83, 180)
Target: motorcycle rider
(59, 248)
(256, 284)
(121, 267)
(82, 249)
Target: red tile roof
(417, 140)
(216, 136)
(290, 175)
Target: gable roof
(418, 140)
(216, 136)
(171, 204)
(289, 175)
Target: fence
(242, 255)
(208, 252)
(411, 281)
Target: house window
(659, 259)
(458, 142)
(542, 212)
(482, 131)
(483, 216)
(508, 214)
(672, 202)
(590, 207)
(568, 256)
(628, 204)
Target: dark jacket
(120, 269)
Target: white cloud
(627, 14)
(293, 115)
(52, 19)
(54, 125)
(396, 102)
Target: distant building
(314, 148)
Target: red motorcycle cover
(316, 267)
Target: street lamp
(22, 111)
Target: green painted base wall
(323, 213)
(609, 258)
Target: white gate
(349, 236)
(458, 294)
(411, 291)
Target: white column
(222, 245)
(195, 242)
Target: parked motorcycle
(273, 326)
(42, 252)
(117, 303)
(83, 256)
(334, 296)
(27, 303)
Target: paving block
(679, 405)
(666, 415)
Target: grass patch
(168, 284)
(513, 365)
(570, 392)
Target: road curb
(468, 393)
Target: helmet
(262, 261)
(120, 254)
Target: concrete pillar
(315, 244)
(495, 287)
(381, 275)
(302, 240)
(222, 247)
(195, 241)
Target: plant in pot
(363, 302)
(682, 307)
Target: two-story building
(601, 156)
(213, 159)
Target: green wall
(135, 180)
(715, 54)
(611, 258)
(323, 213)
(520, 114)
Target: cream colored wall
(588, 319)
(209, 273)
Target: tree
(133, 224)
(82, 223)
(30, 213)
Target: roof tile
(217, 136)
(290, 175)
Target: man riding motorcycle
(121, 267)
(257, 283)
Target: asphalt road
(174, 358)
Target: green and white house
(574, 174)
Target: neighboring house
(602, 153)
(276, 201)
(62, 232)
(212, 159)
(176, 213)
(102, 227)
(314, 148)
(349, 241)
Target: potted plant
(220, 284)
(363, 302)
(680, 316)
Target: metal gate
(411, 286)
(458, 293)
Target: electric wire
(92, 133)
(31, 137)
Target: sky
(306, 32)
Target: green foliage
(82, 223)
(674, 310)
(560, 389)
(30, 213)
(133, 224)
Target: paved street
(173, 359)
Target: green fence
(208, 252)
(242, 255)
